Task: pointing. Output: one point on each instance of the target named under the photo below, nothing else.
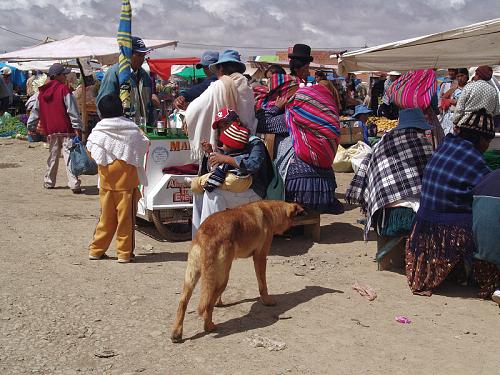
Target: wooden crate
(350, 134)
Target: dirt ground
(63, 314)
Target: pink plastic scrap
(365, 290)
(403, 319)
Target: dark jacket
(196, 90)
(141, 87)
(259, 165)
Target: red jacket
(53, 113)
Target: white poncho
(119, 138)
(229, 91)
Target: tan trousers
(118, 210)
(57, 144)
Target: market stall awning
(188, 72)
(105, 50)
(473, 45)
(163, 67)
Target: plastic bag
(342, 161)
(357, 153)
(80, 162)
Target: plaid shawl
(279, 85)
(393, 171)
(453, 171)
(312, 118)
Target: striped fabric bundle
(279, 85)
(313, 121)
(125, 44)
(414, 89)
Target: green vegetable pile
(12, 127)
(492, 158)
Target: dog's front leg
(260, 262)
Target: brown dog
(240, 232)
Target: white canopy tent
(103, 49)
(473, 45)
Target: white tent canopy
(473, 45)
(105, 50)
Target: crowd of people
(437, 198)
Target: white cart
(167, 201)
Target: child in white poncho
(118, 146)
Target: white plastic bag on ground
(342, 161)
(357, 153)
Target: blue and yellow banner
(125, 43)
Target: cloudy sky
(252, 26)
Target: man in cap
(187, 96)
(140, 83)
(6, 73)
(56, 115)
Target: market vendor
(140, 82)
(361, 113)
(187, 96)
(387, 185)
(6, 77)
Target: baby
(233, 140)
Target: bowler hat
(301, 52)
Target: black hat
(301, 52)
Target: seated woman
(441, 238)
(387, 185)
(254, 161)
(485, 225)
(312, 119)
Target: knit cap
(235, 136)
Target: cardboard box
(350, 134)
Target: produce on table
(12, 127)
(383, 124)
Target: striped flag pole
(125, 44)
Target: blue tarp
(18, 77)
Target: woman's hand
(281, 102)
(216, 159)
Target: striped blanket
(414, 89)
(313, 121)
(279, 85)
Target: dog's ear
(294, 209)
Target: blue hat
(412, 118)
(229, 55)
(138, 45)
(208, 58)
(361, 109)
